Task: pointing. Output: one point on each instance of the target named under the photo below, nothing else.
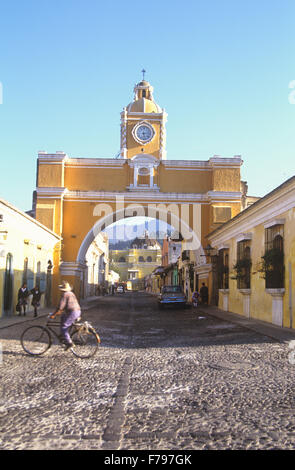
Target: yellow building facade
(96, 275)
(136, 262)
(255, 254)
(28, 252)
(79, 197)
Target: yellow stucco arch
(135, 210)
(76, 196)
(72, 269)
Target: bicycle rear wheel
(86, 343)
(36, 340)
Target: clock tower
(143, 123)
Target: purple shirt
(69, 303)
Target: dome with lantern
(143, 99)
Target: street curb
(283, 335)
(13, 321)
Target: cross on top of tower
(143, 73)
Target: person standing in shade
(22, 297)
(70, 311)
(204, 293)
(36, 299)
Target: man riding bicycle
(70, 311)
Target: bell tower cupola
(143, 90)
(143, 125)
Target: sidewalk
(277, 333)
(12, 320)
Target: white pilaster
(151, 177)
(135, 176)
(246, 301)
(277, 305)
(225, 294)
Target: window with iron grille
(243, 265)
(273, 258)
(222, 268)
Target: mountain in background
(121, 236)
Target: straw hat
(65, 286)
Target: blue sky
(220, 68)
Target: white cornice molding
(273, 222)
(221, 196)
(146, 196)
(162, 116)
(133, 118)
(232, 162)
(91, 162)
(223, 246)
(143, 160)
(203, 269)
(72, 264)
(138, 189)
(146, 115)
(218, 161)
(53, 158)
(265, 210)
(149, 196)
(176, 164)
(61, 157)
(72, 268)
(57, 191)
(244, 236)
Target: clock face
(144, 133)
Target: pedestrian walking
(69, 309)
(22, 298)
(204, 293)
(36, 299)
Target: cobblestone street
(172, 380)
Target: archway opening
(136, 247)
(132, 224)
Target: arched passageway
(177, 217)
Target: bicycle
(36, 340)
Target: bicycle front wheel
(86, 343)
(36, 340)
